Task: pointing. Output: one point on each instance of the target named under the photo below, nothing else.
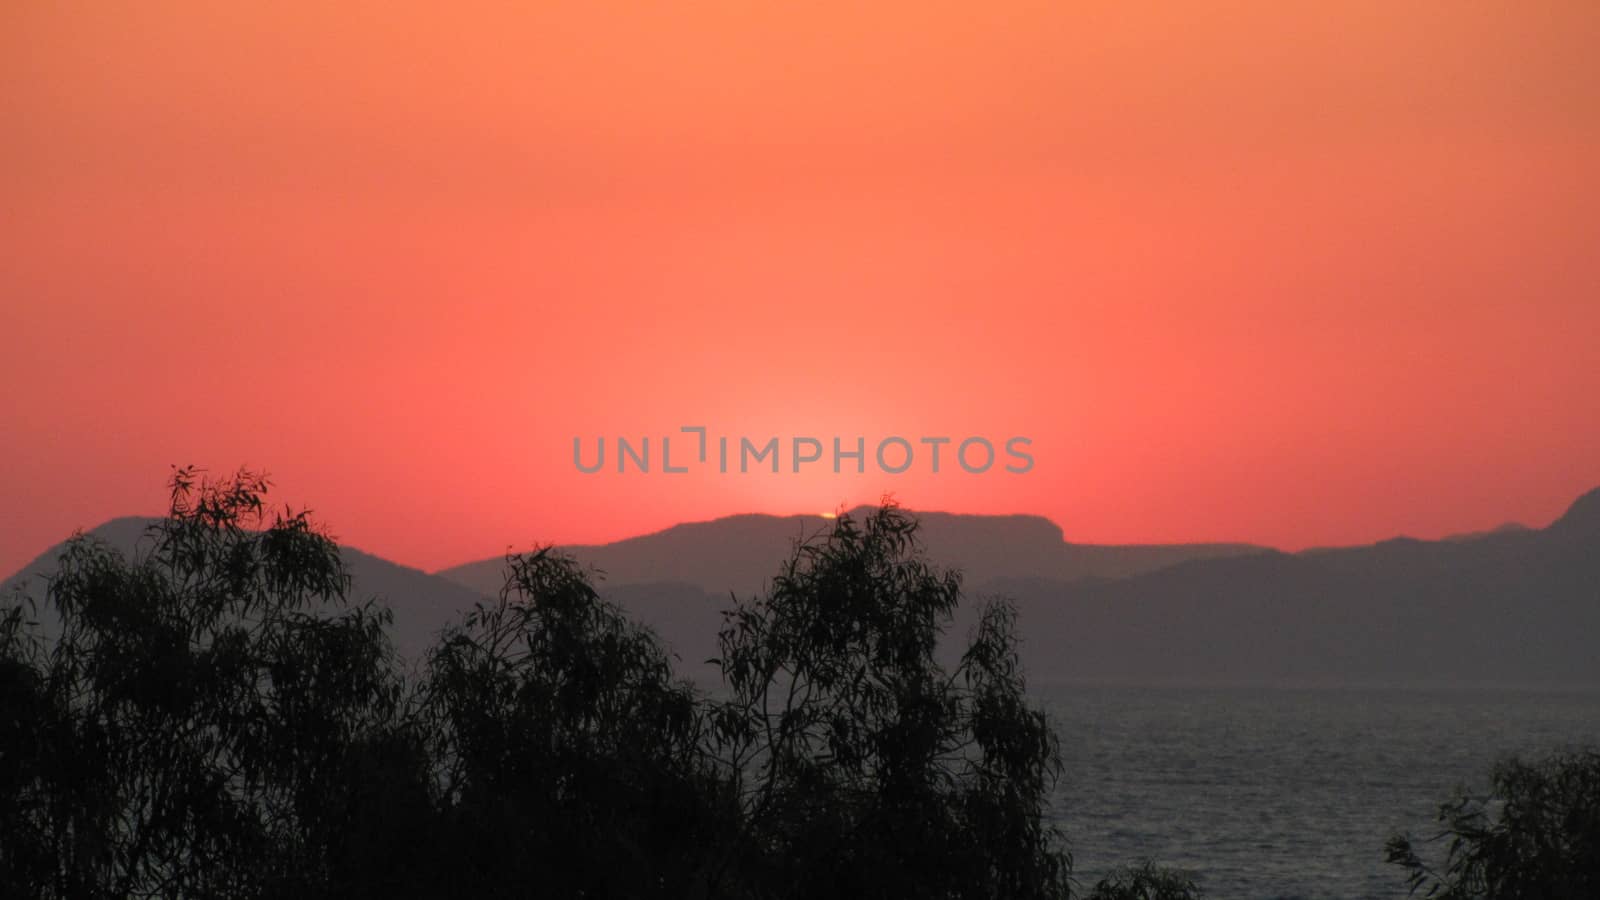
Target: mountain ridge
(1510, 605)
(982, 546)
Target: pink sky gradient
(1241, 271)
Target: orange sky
(1287, 273)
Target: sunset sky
(1294, 274)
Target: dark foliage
(862, 768)
(1536, 834)
(213, 718)
(205, 719)
(1145, 881)
(569, 757)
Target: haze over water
(1268, 793)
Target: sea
(1278, 793)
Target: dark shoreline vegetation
(215, 717)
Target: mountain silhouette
(740, 553)
(1582, 518)
(678, 581)
(1514, 605)
(421, 603)
(1508, 607)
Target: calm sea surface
(1283, 793)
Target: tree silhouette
(191, 728)
(213, 717)
(1535, 834)
(569, 755)
(862, 768)
(1145, 881)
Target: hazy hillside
(1514, 605)
(422, 603)
(739, 553)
